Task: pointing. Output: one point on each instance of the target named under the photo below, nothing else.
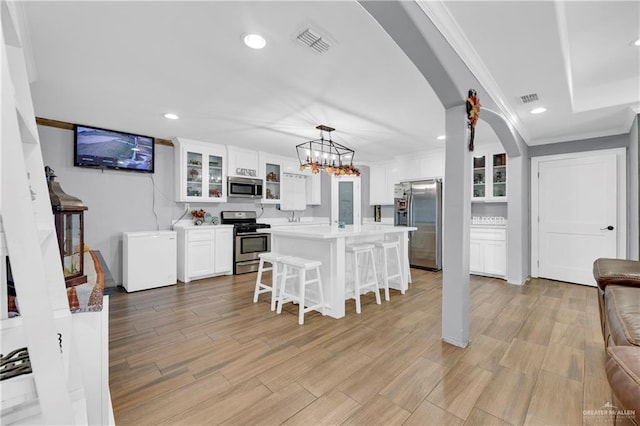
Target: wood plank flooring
(203, 353)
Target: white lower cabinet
(199, 254)
(204, 251)
(475, 256)
(488, 251)
(223, 251)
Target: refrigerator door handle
(410, 213)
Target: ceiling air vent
(313, 40)
(532, 97)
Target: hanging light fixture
(324, 154)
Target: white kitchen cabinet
(384, 175)
(430, 165)
(272, 168)
(291, 165)
(272, 183)
(204, 251)
(489, 177)
(200, 171)
(476, 265)
(294, 192)
(314, 188)
(417, 166)
(488, 251)
(382, 178)
(377, 183)
(200, 254)
(243, 162)
(223, 250)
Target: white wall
(121, 201)
(634, 191)
(118, 201)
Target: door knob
(608, 228)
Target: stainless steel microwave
(240, 187)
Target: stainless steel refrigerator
(419, 204)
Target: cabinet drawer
(488, 234)
(200, 235)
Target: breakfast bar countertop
(328, 244)
(327, 231)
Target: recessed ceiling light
(255, 41)
(538, 110)
(637, 42)
(441, 137)
(171, 116)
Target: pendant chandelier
(324, 154)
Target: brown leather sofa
(619, 300)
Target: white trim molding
(441, 17)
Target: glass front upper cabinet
(499, 174)
(216, 185)
(200, 171)
(479, 177)
(194, 174)
(489, 177)
(204, 182)
(272, 181)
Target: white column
(456, 218)
(517, 213)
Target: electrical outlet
(187, 206)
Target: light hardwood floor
(203, 353)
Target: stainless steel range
(247, 243)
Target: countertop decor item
(68, 214)
(198, 216)
(324, 154)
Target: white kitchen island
(327, 244)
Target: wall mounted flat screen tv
(102, 148)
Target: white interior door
(577, 216)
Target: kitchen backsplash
(489, 209)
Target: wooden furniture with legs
(365, 277)
(274, 259)
(296, 267)
(390, 252)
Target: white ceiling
(122, 65)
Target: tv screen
(96, 147)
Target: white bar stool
(274, 259)
(394, 246)
(298, 267)
(363, 284)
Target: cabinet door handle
(608, 228)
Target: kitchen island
(328, 245)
